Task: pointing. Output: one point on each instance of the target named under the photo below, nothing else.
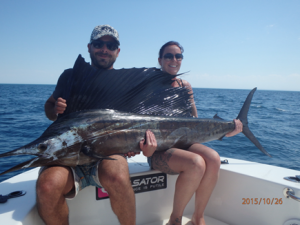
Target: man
(58, 182)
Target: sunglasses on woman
(170, 56)
(112, 46)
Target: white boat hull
(246, 193)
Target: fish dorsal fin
(136, 90)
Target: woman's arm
(189, 87)
(238, 128)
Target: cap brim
(100, 36)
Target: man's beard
(106, 63)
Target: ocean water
(274, 118)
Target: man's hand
(238, 128)
(60, 106)
(150, 145)
(54, 107)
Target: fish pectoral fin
(178, 138)
(179, 134)
(88, 151)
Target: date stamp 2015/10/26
(262, 201)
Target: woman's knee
(213, 161)
(210, 156)
(215, 158)
(196, 164)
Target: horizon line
(192, 87)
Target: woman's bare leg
(191, 168)
(208, 182)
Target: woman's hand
(150, 145)
(238, 128)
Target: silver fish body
(110, 132)
(86, 136)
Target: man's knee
(53, 181)
(114, 174)
(117, 180)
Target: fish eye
(42, 147)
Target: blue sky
(228, 44)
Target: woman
(198, 166)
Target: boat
(246, 193)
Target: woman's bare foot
(175, 221)
(201, 221)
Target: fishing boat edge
(246, 193)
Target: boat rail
(289, 193)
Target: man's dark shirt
(61, 83)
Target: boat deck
(186, 220)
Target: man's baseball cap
(102, 30)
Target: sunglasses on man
(170, 56)
(112, 46)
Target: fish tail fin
(244, 119)
(247, 132)
(30, 163)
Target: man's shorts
(84, 175)
(149, 160)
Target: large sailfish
(108, 112)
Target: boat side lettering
(140, 184)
